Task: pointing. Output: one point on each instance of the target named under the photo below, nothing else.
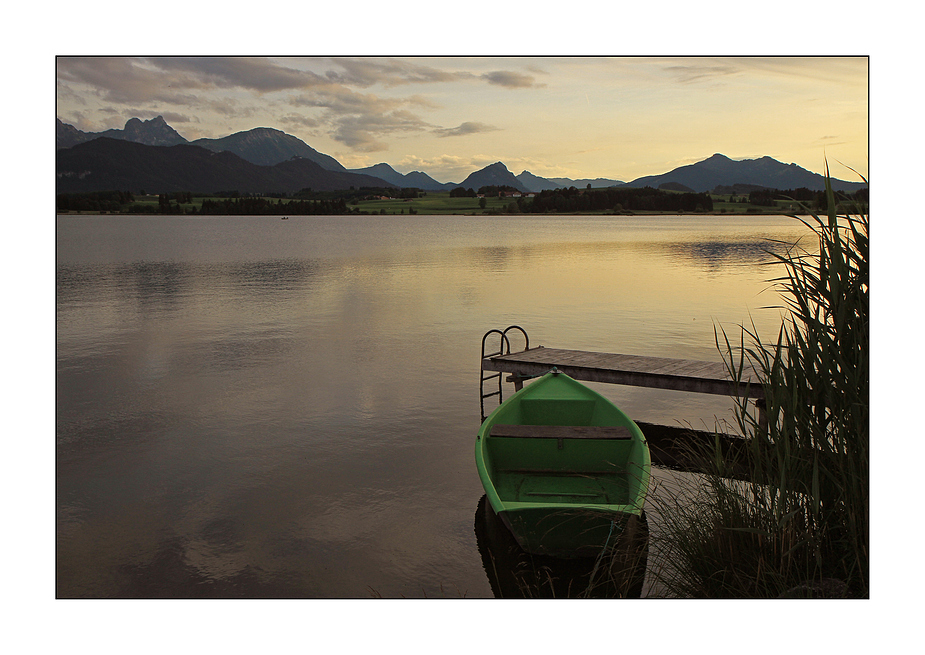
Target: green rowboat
(563, 467)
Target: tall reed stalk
(800, 525)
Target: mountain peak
(496, 174)
(157, 120)
(266, 146)
(153, 132)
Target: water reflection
(156, 282)
(165, 282)
(717, 255)
(252, 351)
(491, 258)
(172, 572)
(712, 254)
(278, 275)
(514, 573)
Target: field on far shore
(435, 202)
(441, 203)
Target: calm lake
(252, 407)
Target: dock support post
(762, 415)
(518, 381)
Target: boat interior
(556, 451)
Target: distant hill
(104, 164)
(720, 170)
(154, 132)
(382, 171)
(495, 174)
(266, 146)
(596, 183)
(423, 181)
(675, 186)
(412, 180)
(535, 183)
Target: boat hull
(562, 467)
(514, 573)
(558, 532)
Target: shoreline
(470, 214)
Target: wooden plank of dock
(633, 370)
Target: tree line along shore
(486, 200)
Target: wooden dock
(633, 370)
(669, 445)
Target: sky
(556, 116)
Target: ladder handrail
(504, 348)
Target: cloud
(394, 72)
(510, 79)
(358, 119)
(388, 72)
(359, 131)
(179, 79)
(465, 128)
(116, 79)
(300, 121)
(175, 118)
(341, 100)
(850, 71)
(423, 101)
(697, 73)
(227, 107)
(774, 70)
(255, 74)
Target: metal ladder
(504, 348)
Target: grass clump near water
(799, 527)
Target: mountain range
(412, 180)
(535, 183)
(154, 132)
(107, 164)
(267, 160)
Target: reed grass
(800, 526)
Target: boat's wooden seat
(560, 431)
